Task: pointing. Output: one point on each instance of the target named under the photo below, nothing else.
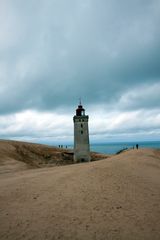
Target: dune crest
(16, 156)
(116, 198)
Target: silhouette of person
(137, 146)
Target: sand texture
(116, 198)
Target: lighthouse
(81, 136)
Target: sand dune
(16, 156)
(116, 198)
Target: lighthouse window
(81, 125)
(81, 132)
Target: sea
(113, 148)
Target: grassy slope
(15, 155)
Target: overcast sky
(54, 51)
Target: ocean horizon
(114, 147)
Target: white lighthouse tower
(81, 136)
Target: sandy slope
(16, 156)
(117, 198)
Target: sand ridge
(116, 198)
(17, 156)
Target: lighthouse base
(78, 158)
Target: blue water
(112, 148)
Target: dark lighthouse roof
(80, 111)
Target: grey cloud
(53, 128)
(61, 50)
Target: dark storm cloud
(53, 52)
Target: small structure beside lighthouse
(81, 136)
